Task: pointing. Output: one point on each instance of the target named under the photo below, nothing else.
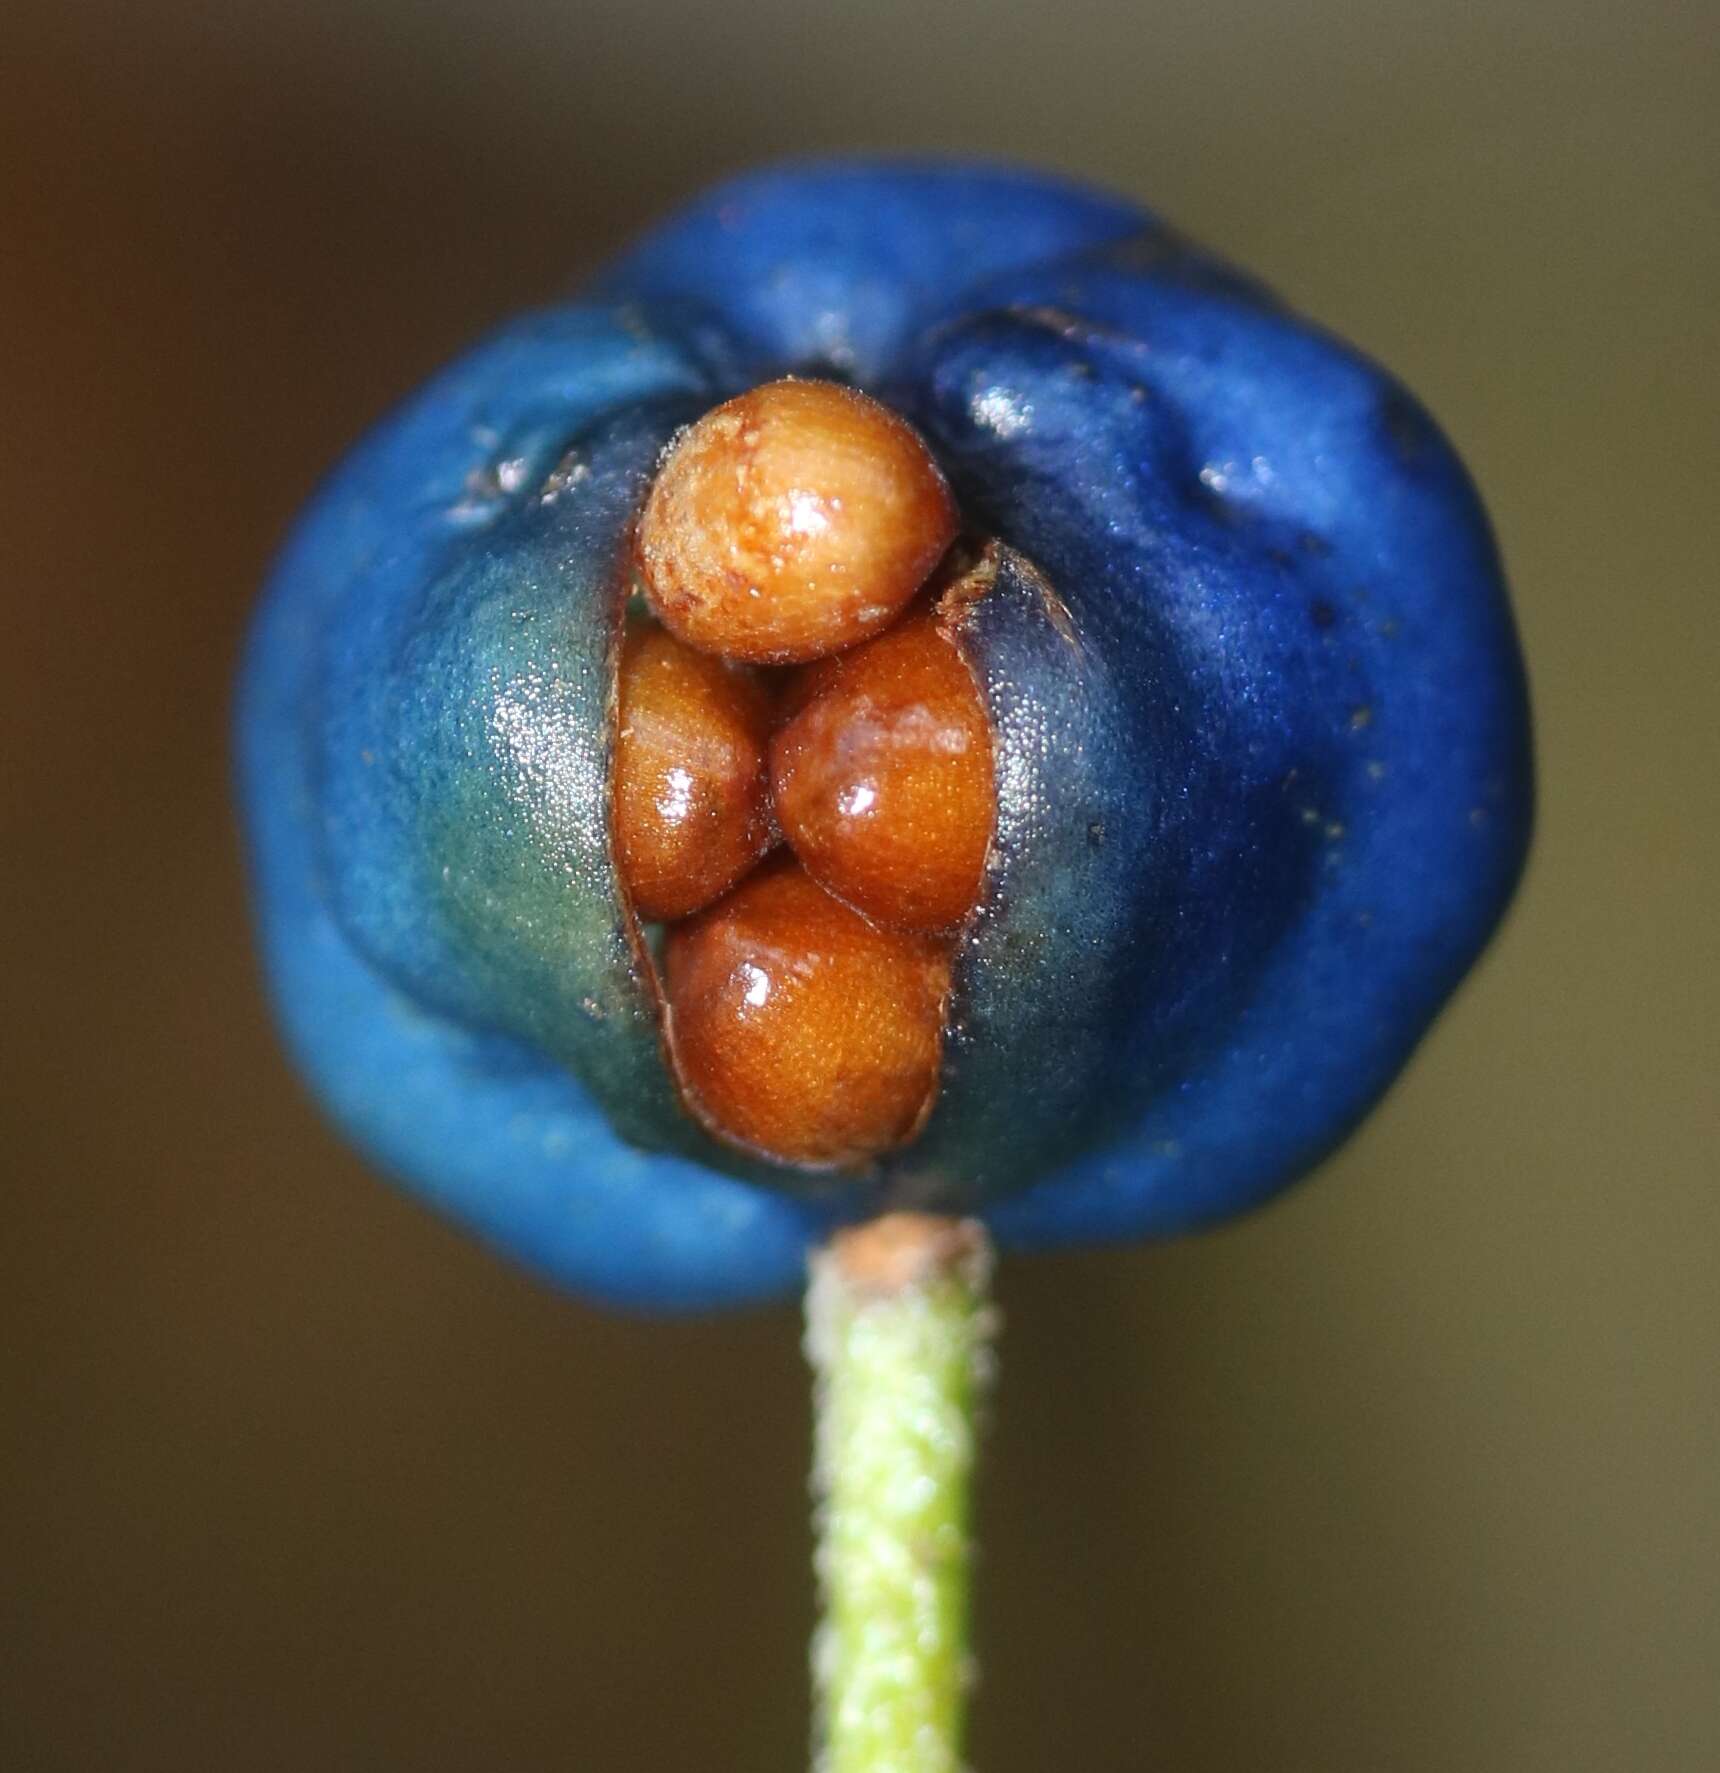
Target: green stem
(898, 1332)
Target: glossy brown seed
(691, 807)
(800, 1030)
(882, 780)
(795, 520)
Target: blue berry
(1260, 726)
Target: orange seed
(790, 522)
(691, 811)
(798, 1028)
(882, 780)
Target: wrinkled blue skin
(1310, 737)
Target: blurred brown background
(1417, 1470)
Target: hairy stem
(898, 1332)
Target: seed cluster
(812, 837)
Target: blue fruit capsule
(1259, 722)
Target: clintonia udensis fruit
(1179, 624)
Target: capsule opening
(803, 782)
